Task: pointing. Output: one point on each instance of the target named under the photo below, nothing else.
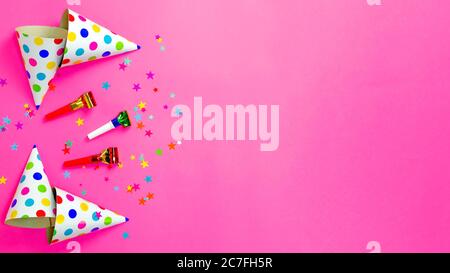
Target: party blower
(109, 156)
(121, 119)
(86, 100)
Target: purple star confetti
(136, 87)
(150, 75)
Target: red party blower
(86, 100)
(109, 156)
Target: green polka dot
(66, 50)
(119, 45)
(25, 216)
(36, 88)
(25, 35)
(54, 232)
(42, 188)
(29, 165)
(108, 220)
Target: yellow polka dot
(45, 202)
(13, 214)
(92, 58)
(84, 206)
(59, 219)
(78, 62)
(96, 28)
(38, 41)
(72, 36)
(51, 65)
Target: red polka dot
(71, 18)
(66, 61)
(58, 41)
(58, 199)
(40, 213)
(55, 241)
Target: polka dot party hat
(33, 205)
(76, 216)
(42, 51)
(87, 41)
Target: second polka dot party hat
(76, 216)
(42, 51)
(87, 41)
(64, 215)
(33, 205)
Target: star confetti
(150, 75)
(171, 146)
(14, 147)
(142, 105)
(129, 188)
(120, 165)
(141, 201)
(116, 188)
(19, 125)
(3, 180)
(136, 187)
(51, 86)
(138, 117)
(106, 85)
(148, 133)
(158, 38)
(3, 82)
(172, 95)
(125, 235)
(136, 87)
(6, 120)
(80, 122)
(66, 149)
(66, 174)
(148, 179)
(150, 195)
(140, 125)
(159, 152)
(165, 106)
(144, 164)
(122, 66)
(132, 157)
(155, 90)
(69, 143)
(127, 61)
(151, 117)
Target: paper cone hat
(42, 51)
(76, 216)
(87, 41)
(33, 204)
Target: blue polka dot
(68, 232)
(72, 213)
(107, 39)
(79, 52)
(94, 229)
(26, 48)
(37, 176)
(29, 202)
(84, 33)
(40, 76)
(14, 202)
(23, 178)
(43, 53)
(39, 157)
(106, 54)
(28, 74)
(94, 216)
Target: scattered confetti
(3, 82)
(106, 85)
(178, 142)
(14, 147)
(122, 66)
(129, 188)
(19, 125)
(66, 174)
(120, 165)
(132, 157)
(66, 149)
(148, 179)
(142, 105)
(116, 188)
(125, 235)
(144, 164)
(158, 38)
(84, 192)
(69, 143)
(127, 61)
(151, 117)
(148, 133)
(136, 187)
(3, 180)
(6, 120)
(141, 201)
(136, 87)
(140, 125)
(138, 117)
(165, 106)
(51, 86)
(155, 90)
(162, 48)
(159, 152)
(171, 146)
(80, 122)
(150, 75)
(106, 179)
(172, 95)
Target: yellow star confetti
(120, 165)
(132, 157)
(80, 122)
(3, 180)
(26, 105)
(144, 164)
(129, 188)
(142, 105)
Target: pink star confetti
(122, 66)
(136, 87)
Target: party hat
(42, 51)
(76, 216)
(87, 41)
(33, 204)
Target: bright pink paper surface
(364, 133)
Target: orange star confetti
(129, 188)
(140, 125)
(150, 195)
(141, 201)
(171, 146)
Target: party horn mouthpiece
(109, 156)
(86, 100)
(122, 119)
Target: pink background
(364, 132)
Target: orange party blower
(86, 100)
(109, 156)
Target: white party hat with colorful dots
(87, 41)
(33, 205)
(42, 51)
(76, 216)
